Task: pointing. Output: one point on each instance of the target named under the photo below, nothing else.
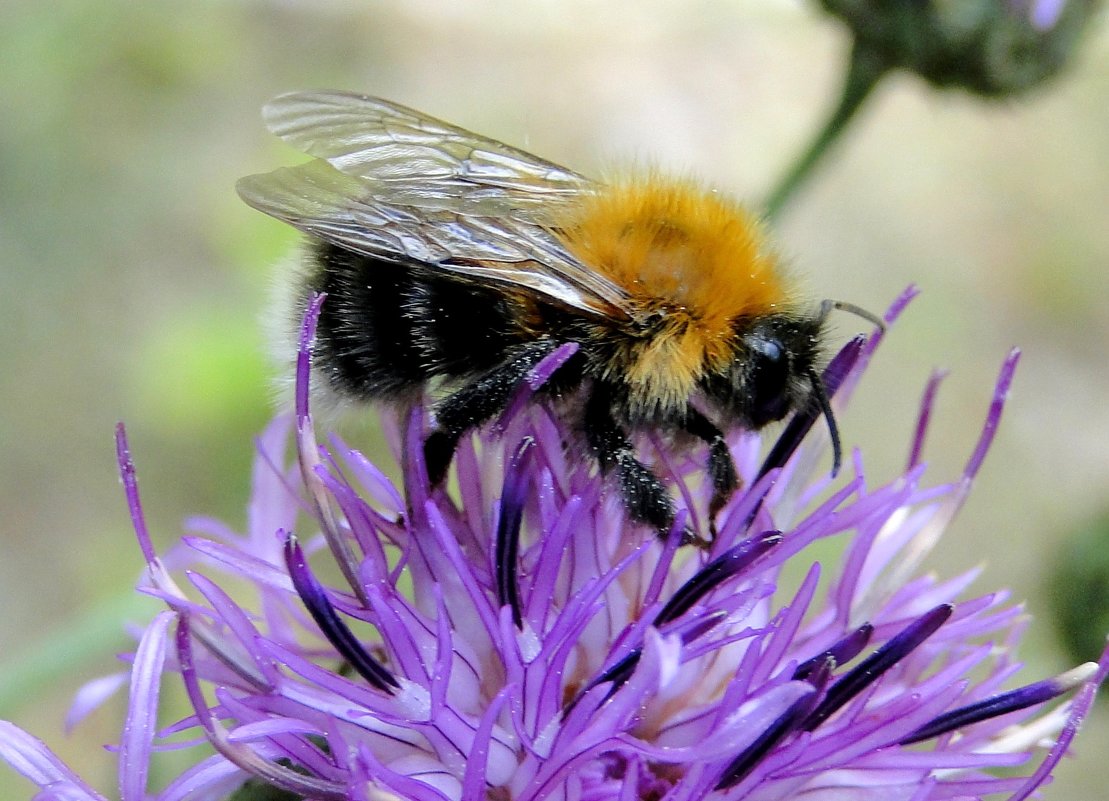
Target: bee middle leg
(722, 470)
(477, 402)
(644, 495)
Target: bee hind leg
(477, 402)
(644, 495)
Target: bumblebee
(451, 259)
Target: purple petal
(1079, 708)
(31, 758)
(927, 404)
(214, 777)
(373, 773)
(250, 665)
(131, 490)
(476, 776)
(993, 418)
(91, 696)
(142, 709)
(533, 381)
(304, 355)
(242, 756)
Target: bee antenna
(826, 307)
(821, 395)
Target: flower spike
(336, 631)
(508, 529)
(871, 668)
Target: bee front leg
(644, 495)
(476, 402)
(722, 471)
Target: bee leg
(721, 467)
(475, 403)
(644, 495)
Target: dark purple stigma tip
(728, 565)
(618, 673)
(840, 653)
(1002, 704)
(871, 668)
(507, 555)
(702, 626)
(315, 600)
(740, 767)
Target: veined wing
(413, 159)
(398, 185)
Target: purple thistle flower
(519, 639)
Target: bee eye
(769, 379)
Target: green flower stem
(865, 69)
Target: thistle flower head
(518, 638)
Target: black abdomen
(385, 329)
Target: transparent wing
(416, 157)
(392, 183)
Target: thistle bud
(990, 47)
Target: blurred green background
(132, 280)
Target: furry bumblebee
(451, 258)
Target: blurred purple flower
(1043, 14)
(519, 640)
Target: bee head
(774, 370)
(771, 373)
